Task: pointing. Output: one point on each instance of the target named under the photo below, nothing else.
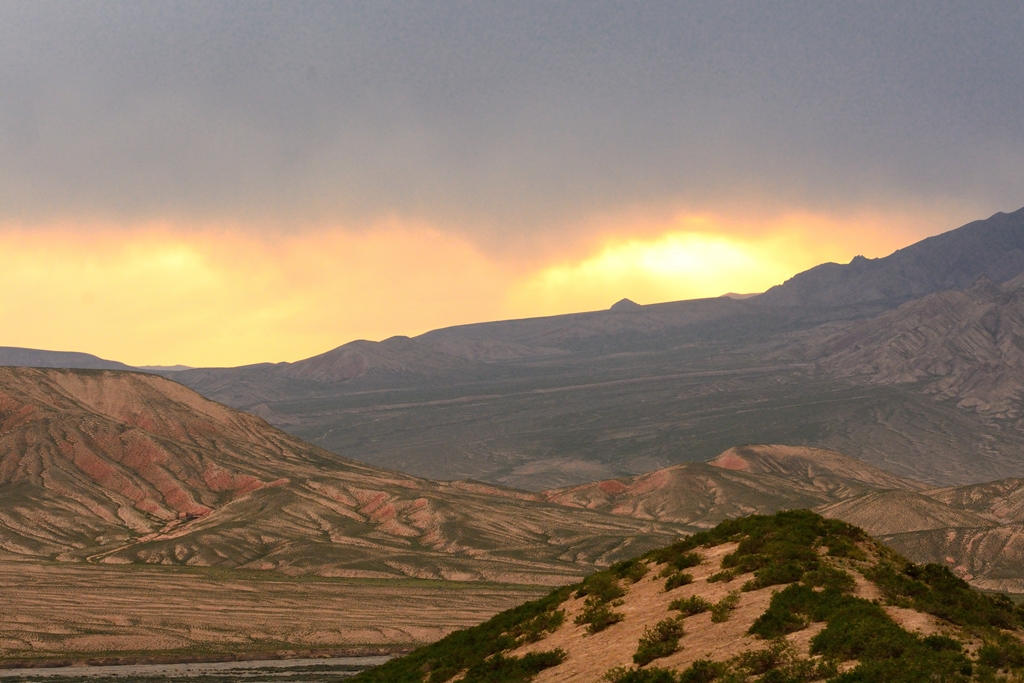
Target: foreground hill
(118, 467)
(792, 597)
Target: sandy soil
(590, 656)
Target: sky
(220, 183)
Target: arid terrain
(791, 594)
(120, 468)
(64, 613)
(489, 460)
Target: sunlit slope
(791, 597)
(120, 467)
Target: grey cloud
(506, 116)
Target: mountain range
(908, 362)
(112, 467)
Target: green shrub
(721, 610)
(831, 578)
(622, 674)
(603, 586)
(598, 615)
(678, 579)
(632, 570)
(932, 588)
(724, 576)
(775, 574)
(702, 671)
(691, 605)
(502, 669)
(1003, 652)
(659, 641)
(533, 630)
(460, 651)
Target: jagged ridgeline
(791, 597)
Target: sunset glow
(157, 295)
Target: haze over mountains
(128, 468)
(909, 362)
(607, 418)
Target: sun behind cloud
(219, 295)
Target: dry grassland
(73, 612)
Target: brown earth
(64, 612)
(589, 657)
(113, 467)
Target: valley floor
(71, 613)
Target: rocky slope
(121, 467)
(793, 597)
(966, 347)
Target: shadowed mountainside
(966, 347)
(36, 358)
(992, 248)
(930, 391)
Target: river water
(276, 670)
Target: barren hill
(974, 530)
(36, 358)
(792, 597)
(741, 481)
(120, 467)
(961, 346)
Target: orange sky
(213, 295)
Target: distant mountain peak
(625, 305)
(993, 248)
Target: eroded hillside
(115, 467)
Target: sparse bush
(702, 671)
(691, 605)
(678, 579)
(631, 570)
(598, 615)
(502, 669)
(724, 576)
(721, 610)
(603, 586)
(622, 674)
(464, 649)
(533, 630)
(659, 641)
